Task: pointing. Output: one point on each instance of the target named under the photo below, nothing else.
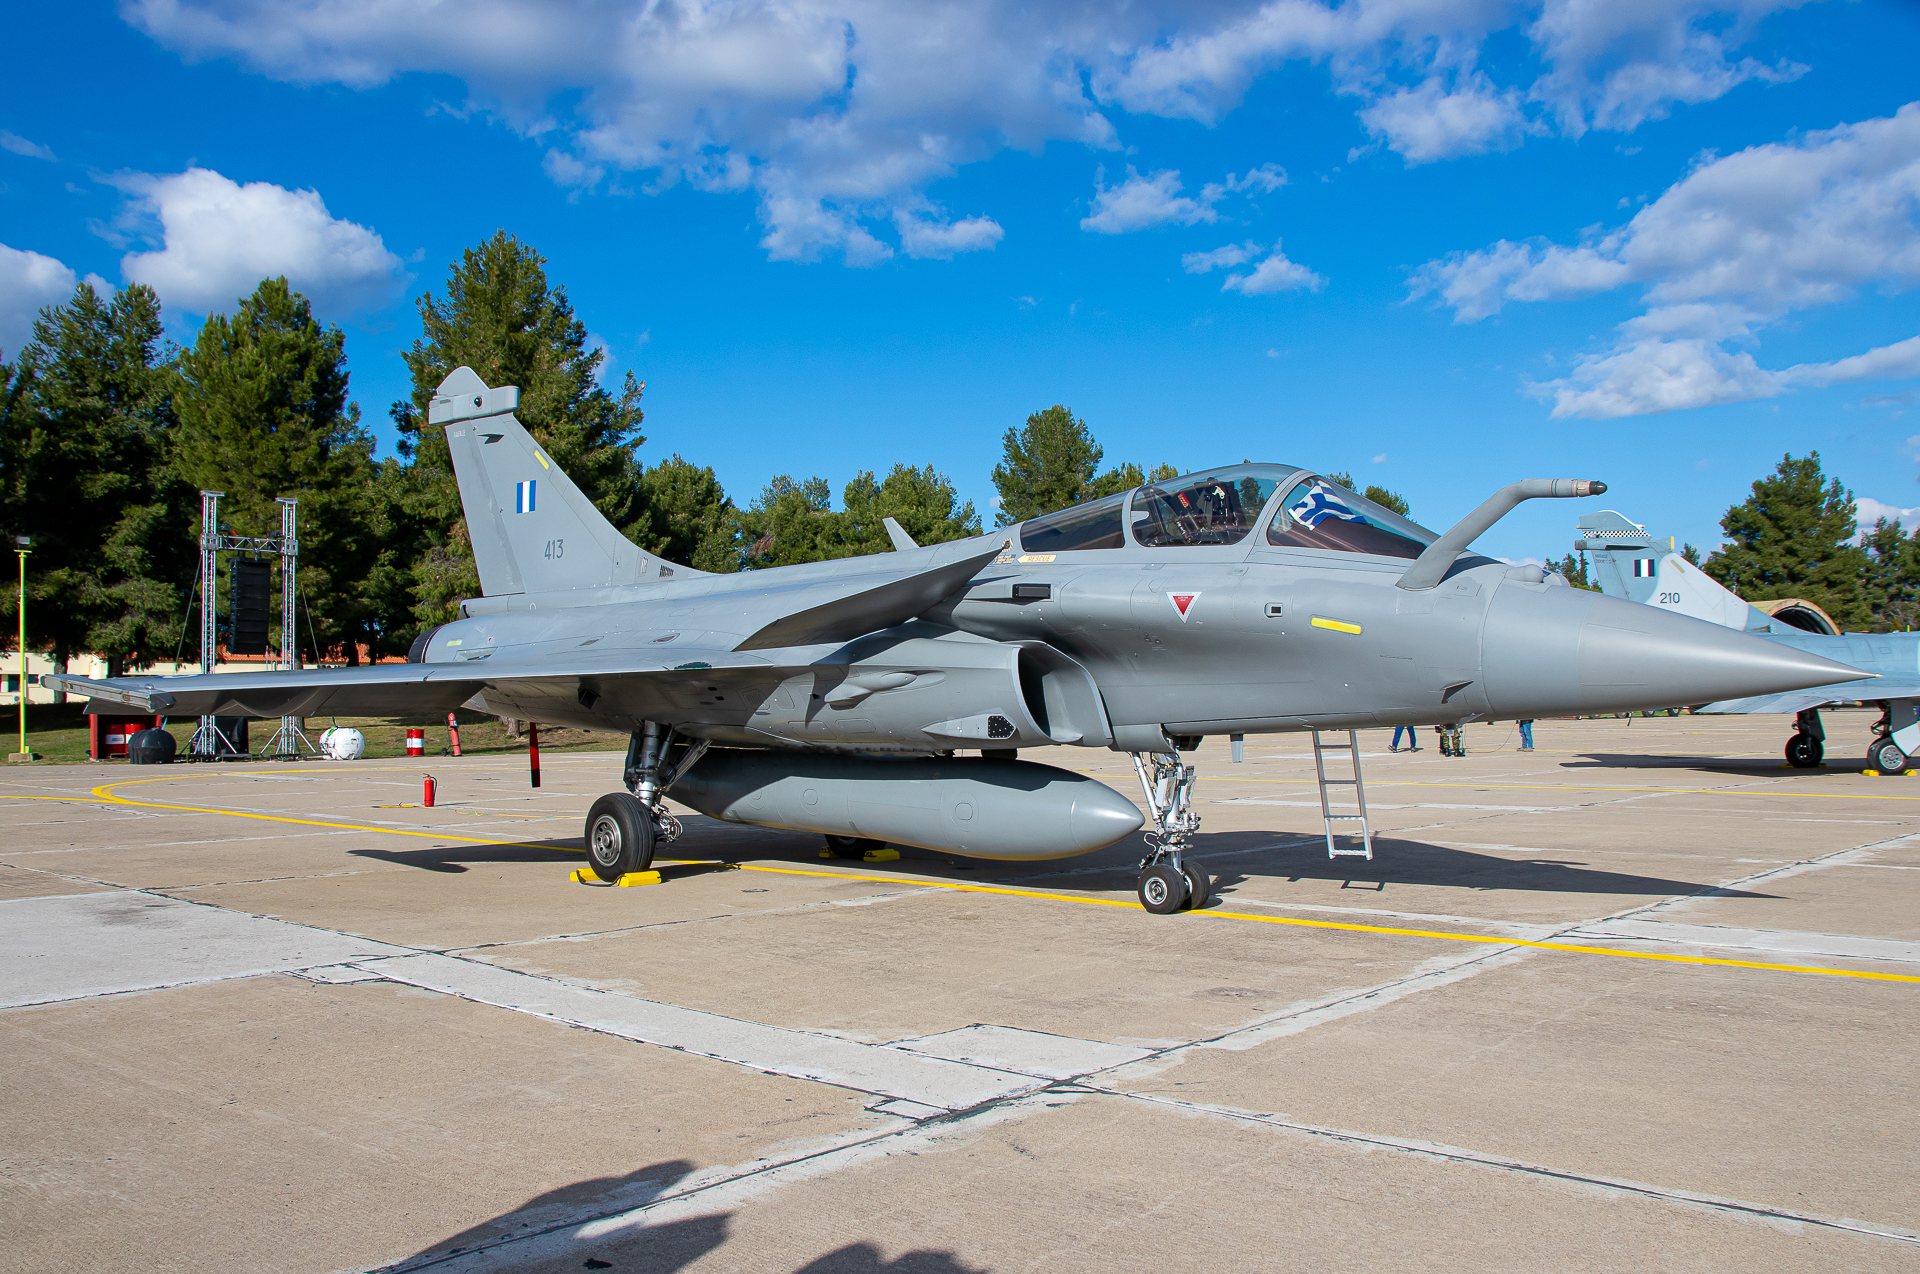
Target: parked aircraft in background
(1628, 562)
(835, 697)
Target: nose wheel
(1804, 751)
(1168, 883)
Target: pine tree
(922, 501)
(792, 522)
(1893, 577)
(88, 419)
(1792, 538)
(688, 517)
(264, 413)
(1378, 494)
(1049, 464)
(1126, 477)
(500, 317)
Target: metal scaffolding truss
(208, 742)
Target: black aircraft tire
(619, 836)
(1162, 889)
(1804, 751)
(853, 846)
(1199, 886)
(1885, 756)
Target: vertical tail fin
(532, 530)
(1629, 563)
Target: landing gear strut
(1167, 883)
(624, 827)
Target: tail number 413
(556, 548)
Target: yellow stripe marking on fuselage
(1336, 625)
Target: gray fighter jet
(1628, 562)
(837, 697)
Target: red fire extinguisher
(426, 792)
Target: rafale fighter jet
(1630, 563)
(835, 697)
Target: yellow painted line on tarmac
(1352, 928)
(105, 794)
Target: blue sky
(1442, 245)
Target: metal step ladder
(1352, 748)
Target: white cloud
(839, 114)
(1275, 274)
(1141, 203)
(1739, 243)
(28, 281)
(923, 234)
(1617, 65)
(1428, 122)
(1867, 511)
(221, 238)
(1220, 258)
(21, 146)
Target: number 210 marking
(1669, 599)
(556, 548)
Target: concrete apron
(820, 981)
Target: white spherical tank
(342, 744)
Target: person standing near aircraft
(1526, 735)
(1413, 740)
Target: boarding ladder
(1352, 748)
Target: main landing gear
(1809, 742)
(1167, 883)
(623, 828)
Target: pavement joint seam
(1457, 1154)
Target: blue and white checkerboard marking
(523, 496)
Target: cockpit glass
(1317, 514)
(1218, 508)
(1093, 525)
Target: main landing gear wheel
(1804, 751)
(1885, 756)
(1163, 889)
(1199, 888)
(620, 835)
(853, 846)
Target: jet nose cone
(1590, 653)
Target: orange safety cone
(426, 792)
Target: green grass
(58, 732)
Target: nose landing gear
(1808, 744)
(623, 828)
(1168, 883)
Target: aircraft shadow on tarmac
(453, 858)
(1234, 857)
(656, 1249)
(1754, 767)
